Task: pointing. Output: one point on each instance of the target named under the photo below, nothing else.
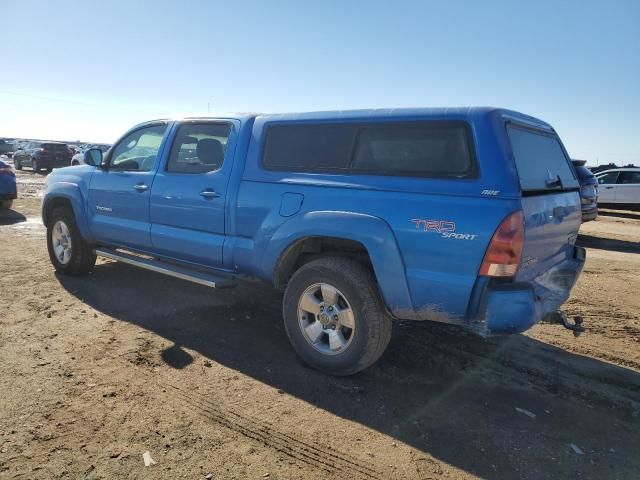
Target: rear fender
(372, 232)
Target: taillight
(504, 252)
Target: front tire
(68, 251)
(17, 164)
(334, 316)
(35, 166)
(5, 204)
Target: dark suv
(6, 148)
(588, 190)
(39, 155)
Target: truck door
(118, 203)
(607, 187)
(189, 193)
(628, 187)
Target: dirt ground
(96, 371)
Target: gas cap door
(290, 203)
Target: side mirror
(93, 157)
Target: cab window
(608, 178)
(199, 148)
(138, 150)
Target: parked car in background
(588, 190)
(19, 145)
(78, 158)
(610, 166)
(466, 216)
(8, 189)
(619, 188)
(39, 155)
(6, 147)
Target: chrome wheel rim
(326, 319)
(61, 242)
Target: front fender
(373, 232)
(72, 189)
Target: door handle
(608, 188)
(141, 187)
(209, 194)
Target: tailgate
(550, 199)
(551, 224)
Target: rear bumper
(589, 213)
(506, 308)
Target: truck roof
(400, 113)
(619, 169)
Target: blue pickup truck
(467, 216)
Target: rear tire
(308, 331)
(5, 204)
(62, 231)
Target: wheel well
(53, 204)
(310, 248)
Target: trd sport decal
(445, 228)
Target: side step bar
(203, 278)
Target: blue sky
(91, 69)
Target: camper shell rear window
(542, 164)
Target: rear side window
(629, 177)
(425, 149)
(540, 160)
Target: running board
(203, 278)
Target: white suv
(619, 187)
(78, 158)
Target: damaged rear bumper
(506, 308)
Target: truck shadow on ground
(633, 215)
(437, 389)
(610, 244)
(9, 217)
